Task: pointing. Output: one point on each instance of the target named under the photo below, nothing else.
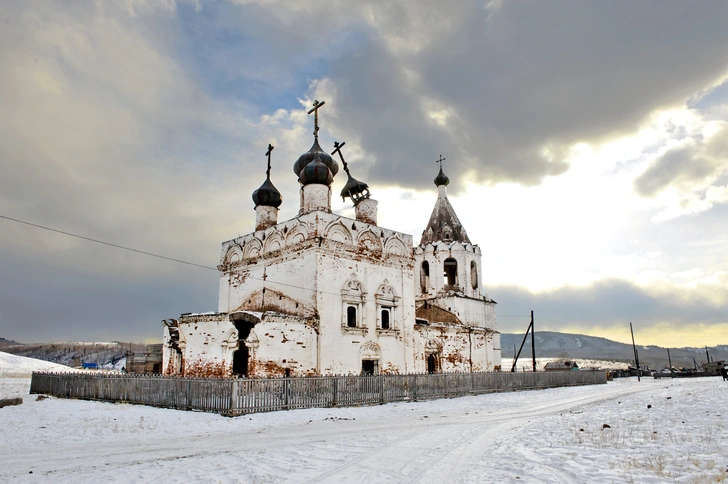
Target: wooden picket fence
(237, 396)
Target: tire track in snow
(408, 457)
(474, 431)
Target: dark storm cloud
(67, 300)
(140, 123)
(606, 303)
(525, 76)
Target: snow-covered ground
(20, 366)
(553, 435)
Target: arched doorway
(244, 323)
(240, 359)
(431, 363)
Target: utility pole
(669, 359)
(533, 343)
(533, 347)
(634, 348)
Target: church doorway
(369, 367)
(240, 360)
(241, 356)
(432, 363)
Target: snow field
(532, 436)
(12, 366)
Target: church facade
(323, 294)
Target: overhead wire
(550, 327)
(108, 243)
(173, 259)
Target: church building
(323, 294)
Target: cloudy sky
(586, 142)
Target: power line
(550, 327)
(158, 255)
(90, 239)
(108, 243)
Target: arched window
(385, 318)
(474, 274)
(425, 276)
(451, 272)
(352, 307)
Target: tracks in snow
(402, 446)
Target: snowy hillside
(105, 354)
(12, 366)
(565, 345)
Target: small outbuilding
(562, 365)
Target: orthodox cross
(316, 106)
(267, 153)
(440, 161)
(338, 147)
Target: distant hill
(75, 353)
(565, 345)
(7, 342)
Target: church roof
(444, 225)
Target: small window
(351, 317)
(385, 318)
(451, 272)
(425, 276)
(474, 274)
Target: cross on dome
(267, 195)
(441, 179)
(316, 106)
(267, 153)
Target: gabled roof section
(444, 225)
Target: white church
(324, 294)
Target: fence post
(234, 397)
(285, 393)
(189, 394)
(334, 391)
(381, 388)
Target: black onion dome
(308, 157)
(441, 179)
(354, 189)
(316, 172)
(267, 195)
